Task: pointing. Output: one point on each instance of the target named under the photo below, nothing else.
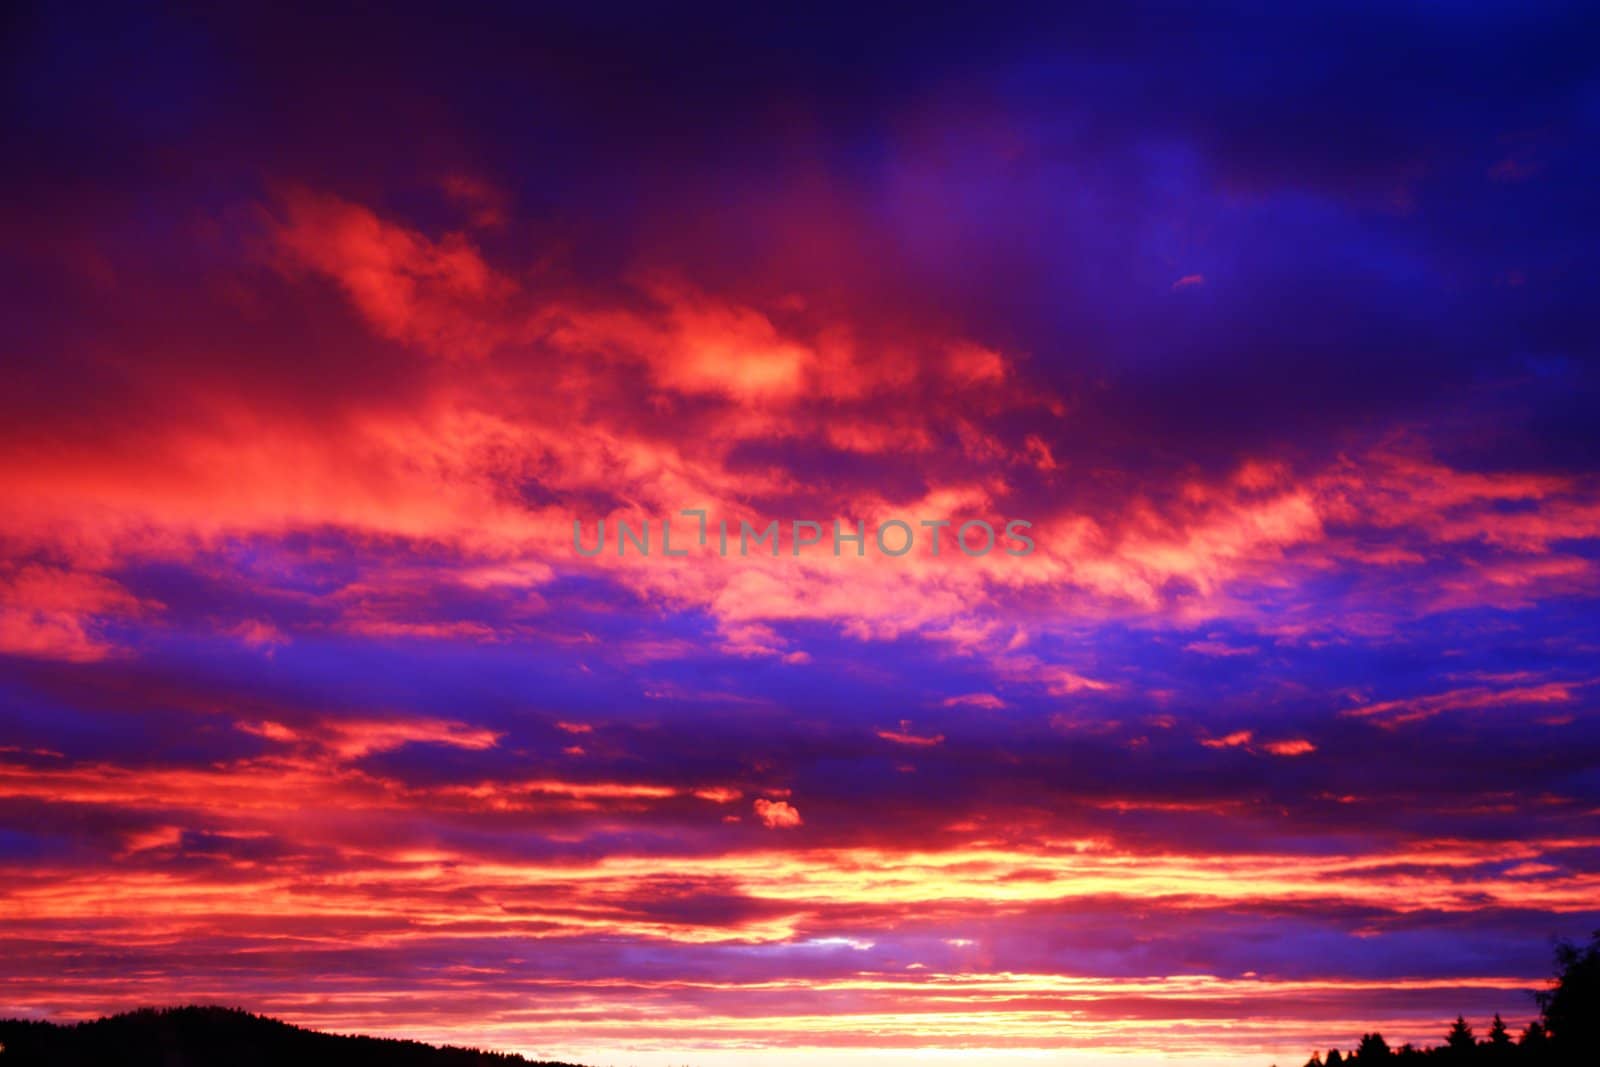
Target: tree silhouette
(1572, 1008)
(1499, 1047)
(1373, 1049)
(1566, 1035)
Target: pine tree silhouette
(1460, 1038)
(1373, 1049)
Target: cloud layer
(1285, 730)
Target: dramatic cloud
(776, 814)
(329, 331)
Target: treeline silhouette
(221, 1037)
(1566, 1034)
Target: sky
(1276, 324)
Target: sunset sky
(322, 330)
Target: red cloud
(58, 614)
(585, 395)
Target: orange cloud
(776, 814)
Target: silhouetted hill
(220, 1037)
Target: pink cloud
(777, 814)
(974, 700)
(1473, 698)
(904, 736)
(1238, 739)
